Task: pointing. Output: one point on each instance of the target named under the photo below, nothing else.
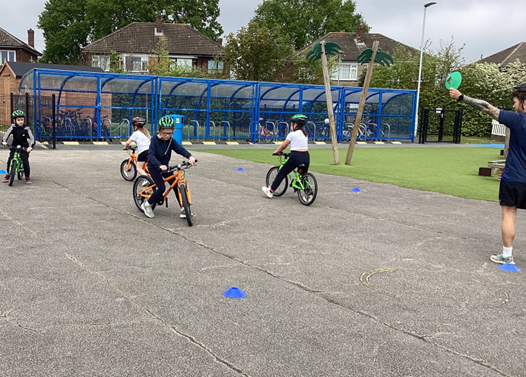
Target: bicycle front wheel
(271, 175)
(20, 174)
(186, 204)
(310, 189)
(12, 172)
(128, 170)
(143, 188)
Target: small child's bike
(303, 182)
(144, 187)
(16, 167)
(129, 166)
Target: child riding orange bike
(161, 147)
(141, 137)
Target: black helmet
(299, 119)
(18, 114)
(521, 87)
(138, 121)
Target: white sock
(507, 251)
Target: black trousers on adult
(296, 159)
(24, 156)
(158, 177)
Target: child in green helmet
(159, 153)
(21, 136)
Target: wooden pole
(328, 99)
(361, 104)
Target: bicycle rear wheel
(20, 174)
(128, 170)
(12, 172)
(271, 175)
(186, 204)
(310, 189)
(143, 188)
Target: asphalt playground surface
(385, 282)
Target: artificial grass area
(452, 171)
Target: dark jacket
(21, 134)
(160, 151)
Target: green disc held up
(453, 80)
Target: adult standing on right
(512, 190)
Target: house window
(103, 62)
(184, 63)
(346, 71)
(136, 64)
(215, 66)
(7, 56)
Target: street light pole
(420, 65)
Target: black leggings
(158, 178)
(24, 156)
(296, 159)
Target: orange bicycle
(129, 166)
(144, 186)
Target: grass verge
(452, 171)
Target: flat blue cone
(240, 169)
(509, 267)
(3, 172)
(356, 189)
(234, 292)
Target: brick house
(352, 44)
(13, 49)
(135, 42)
(508, 55)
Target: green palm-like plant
(331, 48)
(381, 57)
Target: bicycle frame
(133, 158)
(295, 182)
(178, 178)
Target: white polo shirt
(298, 140)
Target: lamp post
(420, 65)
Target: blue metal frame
(236, 111)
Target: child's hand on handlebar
(191, 160)
(4, 143)
(163, 167)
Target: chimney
(159, 24)
(220, 41)
(359, 34)
(31, 38)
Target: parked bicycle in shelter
(303, 182)
(144, 187)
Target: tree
(257, 53)
(65, 30)
(69, 25)
(304, 21)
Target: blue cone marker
(239, 169)
(234, 292)
(356, 189)
(509, 267)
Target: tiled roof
(508, 55)
(351, 48)
(139, 38)
(9, 40)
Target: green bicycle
(303, 182)
(16, 167)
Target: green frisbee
(453, 80)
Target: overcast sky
(484, 26)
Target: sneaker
(6, 178)
(500, 258)
(147, 208)
(267, 191)
(183, 214)
(28, 181)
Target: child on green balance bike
(21, 136)
(304, 183)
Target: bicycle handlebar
(286, 155)
(11, 146)
(182, 165)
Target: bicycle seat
(302, 169)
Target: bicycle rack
(273, 127)
(285, 128)
(196, 128)
(229, 128)
(313, 127)
(388, 130)
(213, 124)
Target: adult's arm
(478, 104)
